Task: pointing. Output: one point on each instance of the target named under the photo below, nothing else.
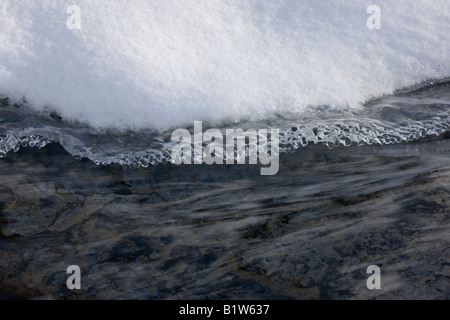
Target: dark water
(224, 231)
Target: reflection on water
(198, 231)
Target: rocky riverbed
(225, 232)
